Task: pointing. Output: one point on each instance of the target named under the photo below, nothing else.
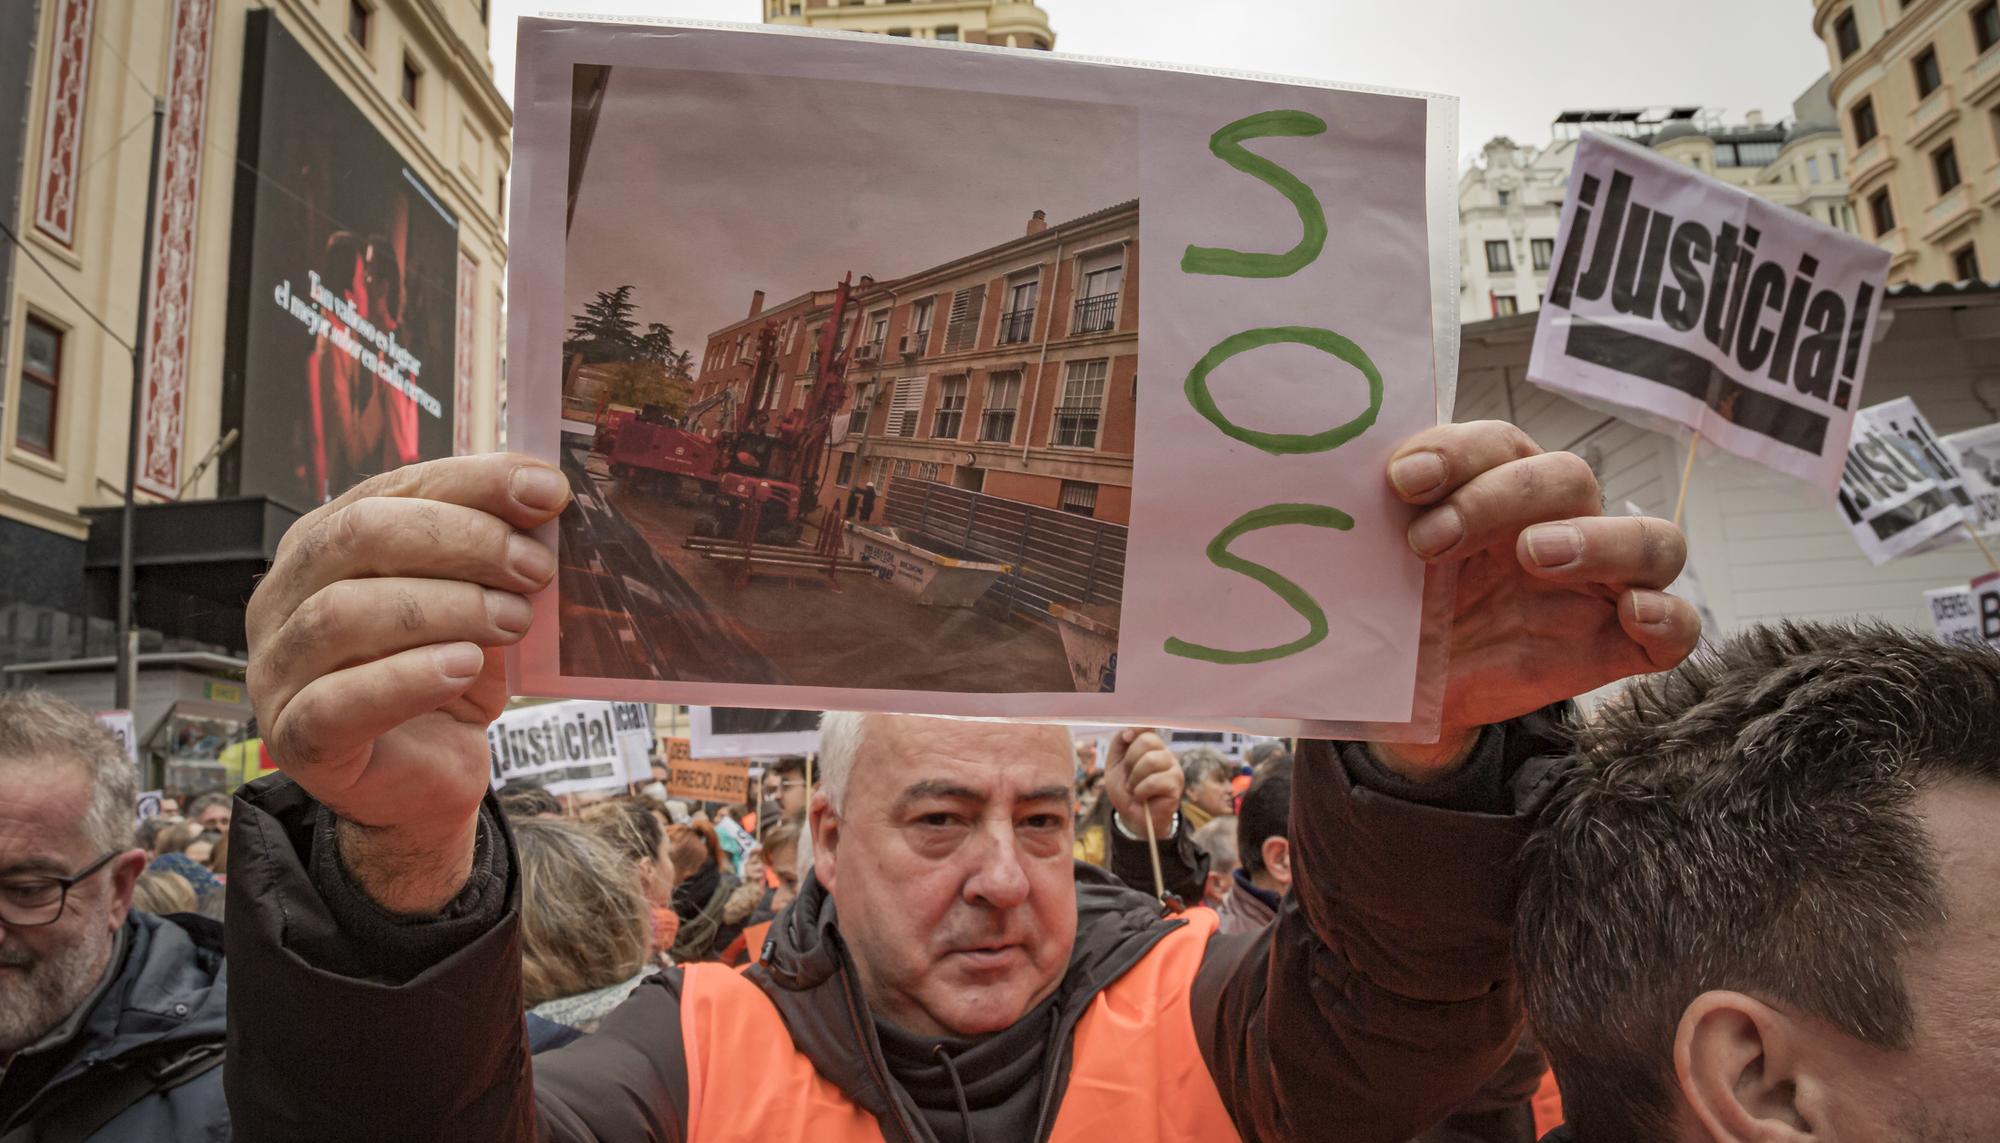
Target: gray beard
(34, 1001)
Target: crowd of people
(1747, 899)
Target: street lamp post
(127, 681)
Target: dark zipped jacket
(140, 1062)
(1378, 1001)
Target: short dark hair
(1266, 813)
(212, 798)
(789, 764)
(1746, 821)
(519, 799)
(1264, 752)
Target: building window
(1505, 305)
(950, 408)
(1863, 118)
(1543, 251)
(41, 383)
(857, 417)
(1812, 169)
(906, 404)
(1944, 161)
(1506, 198)
(919, 336)
(412, 80)
(878, 333)
(358, 15)
(1883, 211)
(845, 476)
(1499, 257)
(1078, 496)
(996, 418)
(1986, 25)
(948, 33)
(1929, 77)
(1097, 302)
(1965, 262)
(1082, 405)
(1846, 37)
(1017, 323)
(483, 14)
(962, 330)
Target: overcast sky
(1513, 64)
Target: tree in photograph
(605, 330)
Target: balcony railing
(1983, 77)
(1017, 326)
(1871, 156)
(1934, 113)
(1947, 211)
(1095, 315)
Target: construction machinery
(654, 451)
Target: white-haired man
(111, 1020)
(947, 972)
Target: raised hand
(1144, 780)
(374, 657)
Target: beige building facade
(418, 75)
(1003, 23)
(1917, 87)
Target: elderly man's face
(950, 869)
(46, 971)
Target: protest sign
(706, 779)
(1692, 301)
(149, 804)
(1986, 607)
(1977, 453)
(747, 732)
(119, 722)
(945, 386)
(1898, 492)
(1952, 614)
(570, 747)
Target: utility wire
(88, 312)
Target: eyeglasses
(29, 902)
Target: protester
(519, 799)
(1217, 840)
(218, 858)
(786, 790)
(111, 1018)
(585, 929)
(1266, 756)
(202, 847)
(631, 826)
(147, 836)
(209, 894)
(1264, 855)
(212, 811)
(162, 893)
(177, 837)
(944, 943)
(1208, 795)
(711, 911)
(1762, 905)
(170, 807)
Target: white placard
(1977, 452)
(1899, 492)
(119, 722)
(1294, 308)
(1684, 298)
(571, 747)
(1986, 607)
(746, 732)
(1953, 614)
(149, 804)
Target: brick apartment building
(1012, 371)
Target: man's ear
(1217, 885)
(824, 826)
(125, 871)
(1745, 1072)
(1278, 860)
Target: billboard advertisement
(343, 288)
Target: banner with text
(1953, 614)
(1899, 491)
(571, 747)
(1684, 298)
(1986, 607)
(1977, 452)
(705, 779)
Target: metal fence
(1058, 557)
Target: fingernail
(1437, 531)
(509, 612)
(460, 660)
(539, 488)
(1649, 607)
(1417, 473)
(1554, 545)
(529, 559)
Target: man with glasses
(111, 1020)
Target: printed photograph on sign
(1977, 452)
(1900, 492)
(935, 378)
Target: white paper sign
(119, 722)
(1685, 298)
(1215, 525)
(149, 804)
(1986, 607)
(571, 747)
(1977, 452)
(745, 732)
(1953, 614)
(1899, 492)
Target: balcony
(1095, 315)
(1989, 186)
(1933, 115)
(1947, 213)
(1869, 161)
(1897, 243)
(1017, 327)
(1982, 79)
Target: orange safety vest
(1136, 1072)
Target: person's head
(160, 892)
(177, 837)
(1762, 905)
(790, 789)
(527, 800)
(170, 807)
(946, 846)
(781, 851)
(218, 857)
(1263, 825)
(1217, 839)
(1207, 773)
(584, 922)
(212, 811)
(147, 836)
(660, 772)
(1263, 756)
(693, 848)
(630, 825)
(202, 846)
(67, 862)
(1086, 756)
